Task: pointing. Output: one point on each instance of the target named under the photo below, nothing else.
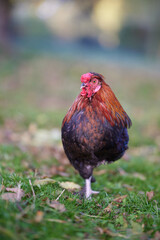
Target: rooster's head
(91, 83)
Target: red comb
(86, 77)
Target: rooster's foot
(88, 195)
(88, 190)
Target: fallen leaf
(136, 228)
(57, 205)
(78, 219)
(114, 234)
(120, 199)
(2, 187)
(16, 195)
(126, 157)
(150, 195)
(141, 192)
(55, 220)
(15, 190)
(32, 128)
(69, 185)
(39, 216)
(122, 172)
(139, 220)
(108, 208)
(100, 172)
(99, 205)
(60, 168)
(92, 216)
(44, 181)
(143, 150)
(63, 174)
(40, 137)
(139, 175)
(9, 197)
(129, 188)
(79, 201)
(100, 230)
(157, 235)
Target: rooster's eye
(94, 81)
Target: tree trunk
(5, 25)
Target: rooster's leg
(88, 190)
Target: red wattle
(83, 92)
(89, 93)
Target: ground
(36, 92)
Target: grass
(133, 217)
(39, 90)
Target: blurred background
(46, 45)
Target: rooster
(94, 131)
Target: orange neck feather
(105, 103)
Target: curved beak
(82, 85)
